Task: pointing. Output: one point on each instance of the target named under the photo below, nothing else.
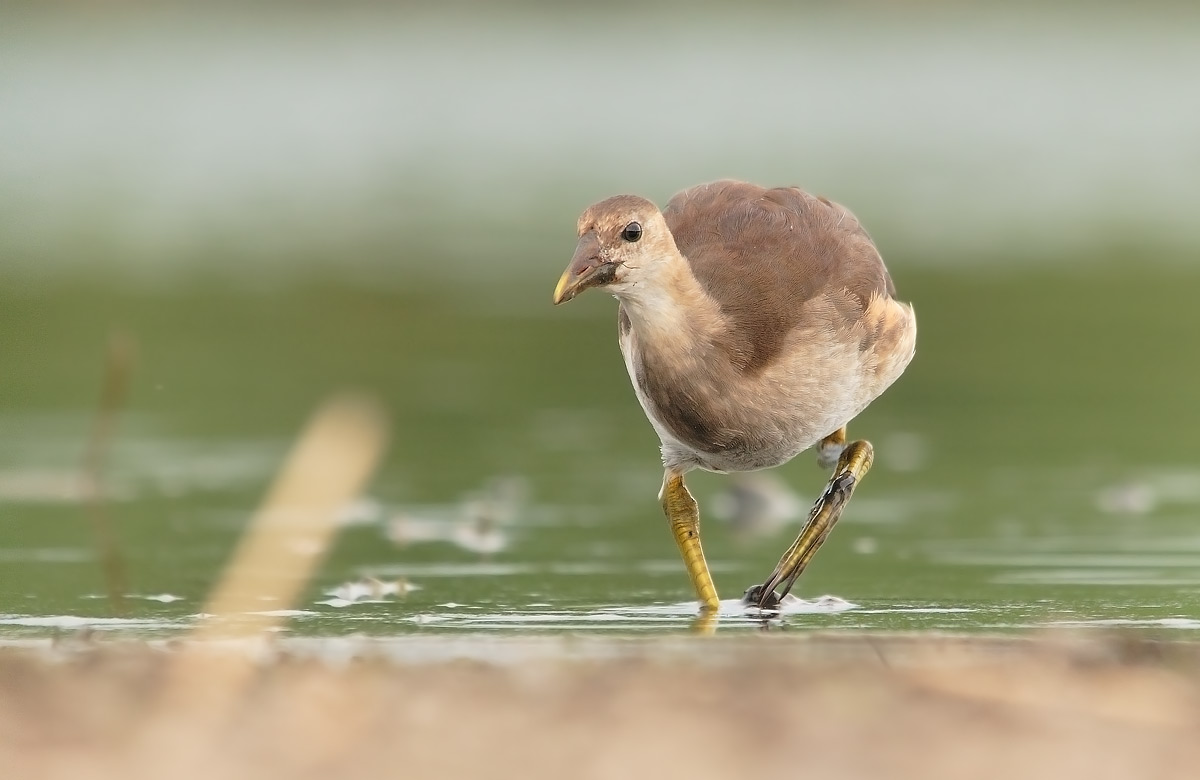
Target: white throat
(667, 306)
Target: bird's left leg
(853, 462)
(684, 517)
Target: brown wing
(775, 260)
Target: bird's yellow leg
(684, 516)
(852, 466)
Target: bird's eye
(632, 232)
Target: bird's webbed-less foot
(831, 448)
(684, 516)
(852, 465)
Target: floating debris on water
(477, 524)
(368, 590)
(479, 533)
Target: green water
(1037, 464)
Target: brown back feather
(775, 260)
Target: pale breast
(711, 416)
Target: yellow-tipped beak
(586, 270)
(566, 289)
(580, 275)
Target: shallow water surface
(1035, 466)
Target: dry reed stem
(118, 367)
(278, 554)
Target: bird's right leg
(684, 516)
(853, 462)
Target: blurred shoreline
(155, 142)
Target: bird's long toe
(756, 596)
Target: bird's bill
(586, 270)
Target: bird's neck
(670, 311)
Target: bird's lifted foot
(853, 464)
(831, 448)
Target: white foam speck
(165, 598)
(74, 621)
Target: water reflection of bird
(754, 324)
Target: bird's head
(621, 240)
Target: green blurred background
(280, 202)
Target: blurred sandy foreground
(819, 705)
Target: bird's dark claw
(754, 597)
